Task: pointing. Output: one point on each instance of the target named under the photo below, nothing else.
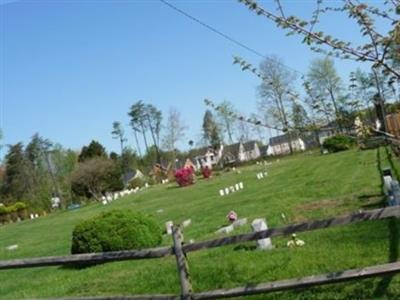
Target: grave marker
(260, 225)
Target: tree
(95, 176)
(379, 49)
(277, 80)
(327, 84)
(174, 130)
(38, 153)
(16, 178)
(118, 133)
(225, 115)
(244, 131)
(211, 130)
(299, 117)
(139, 122)
(154, 119)
(94, 149)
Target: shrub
(137, 183)
(338, 143)
(206, 171)
(184, 176)
(114, 231)
(4, 214)
(22, 211)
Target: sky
(71, 68)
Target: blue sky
(71, 68)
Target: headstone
(241, 185)
(160, 211)
(186, 223)
(227, 191)
(265, 173)
(36, 216)
(168, 227)
(12, 247)
(387, 180)
(225, 230)
(237, 187)
(32, 216)
(261, 225)
(104, 202)
(146, 185)
(240, 222)
(221, 192)
(395, 193)
(232, 189)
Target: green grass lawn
(305, 186)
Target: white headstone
(36, 216)
(232, 189)
(160, 211)
(168, 227)
(227, 191)
(241, 185)
(221, 192)
(226, 229)
(387, 180)
(32, 216)
(237, 186)
(260, 225)
(186, 223)
(12, 247)
(104, 202)
(240, 222)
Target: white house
(224, 155)
(207, 157)
(279, 145)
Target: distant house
(206, 156)
(251, 151)
(225, 155)
(279, 145)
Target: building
(225, 155)
(279, 145)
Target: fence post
(182, 264)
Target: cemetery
(330, 185)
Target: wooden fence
(180, 249)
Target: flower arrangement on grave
(206, 171)
(232, 216)
(184, 176)
(295, 242)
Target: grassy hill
(305, 186)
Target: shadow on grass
(383, 285)
(393, 228)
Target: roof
(199, 152)
(233, 149)
(282, 139)
(249, 146)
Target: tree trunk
(137, 143)
(154, 140)
(145, 138)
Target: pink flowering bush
(184, 176)
(206, 171)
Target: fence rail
(180, 249)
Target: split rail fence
(180, 250)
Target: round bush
(338, 143)
(115, 231)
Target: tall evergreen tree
(211, 130)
